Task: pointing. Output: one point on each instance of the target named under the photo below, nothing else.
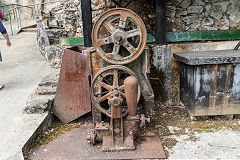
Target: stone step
(46, 90)
(38, 104)
(29, 30)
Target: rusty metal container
(210, 82)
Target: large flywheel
(119, 36)
(107, 81)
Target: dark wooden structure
(87, 22)
(160, 21)
(210, 82)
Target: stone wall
(67, 15)
(52, 53)
(26, 13)
(99, 6)
(63, 20)
(191, 15)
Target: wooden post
(87, 22)
(160, 21)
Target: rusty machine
(121, 94)
(119, 66)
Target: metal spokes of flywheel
(119, 36)
(108, 80)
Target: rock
(234, 15)
(171, 11)
(207, 10)
(202, 14)
(38, 104)
(195, 9)
(151, 16)
(50, 80)
(51, 53)
(207, 22)
(198, 2)
(194, 26)
(225, 24)
(216, 12)
(224, 5)
(42, 90)
(190, 19)
(101, 4)
(54, 55)
(185, 3)
(157, 126)
(207, 28)
(178, 26)
(54, 35)
(231, 9)
(213, 1)
(181, 12)
(169, 27)
(42, 98)
(67, 15)
(42, 37)
(218, 23)
(233, 24)
(94, 2)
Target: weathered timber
(210, 82)
(87, 22)
(209, 57)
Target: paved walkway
(21, 70)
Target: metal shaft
(131, 91)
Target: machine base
(73, 145)
(109, 146)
